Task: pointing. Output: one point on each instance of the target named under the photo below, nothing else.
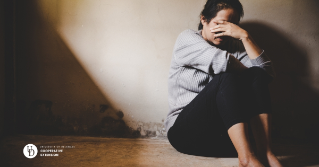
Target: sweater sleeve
(193, 51)
(261, 61)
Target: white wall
(295, 20)
(126, 47)
(288, 30)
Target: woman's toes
(273, 161)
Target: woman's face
(225, 15)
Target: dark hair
(212, 7)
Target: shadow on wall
(295, 103)
(55, 95)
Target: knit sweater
(193, 65)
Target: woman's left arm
(255, 53)
(230, 29)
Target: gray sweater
(193, 64)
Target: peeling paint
(38, 118)
(103, 107)
(151, 129)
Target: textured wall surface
(1, 65)
(100, 67)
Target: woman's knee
(259, 74)
(229, 78)
(221, 80)
(257, 70)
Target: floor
(99, 151)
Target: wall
(100, 67)
(288, 31)
(83, 64)
(1, 66)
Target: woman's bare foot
(270, 160)
(252, 161)
(273, 160)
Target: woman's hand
(228, 29)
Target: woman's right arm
(262, 61)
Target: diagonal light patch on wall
(125, 46)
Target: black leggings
(201, 127)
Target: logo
(30, 151)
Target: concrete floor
(98, 151)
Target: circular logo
(30, 151)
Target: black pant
(201, 127)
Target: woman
(218, 85)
